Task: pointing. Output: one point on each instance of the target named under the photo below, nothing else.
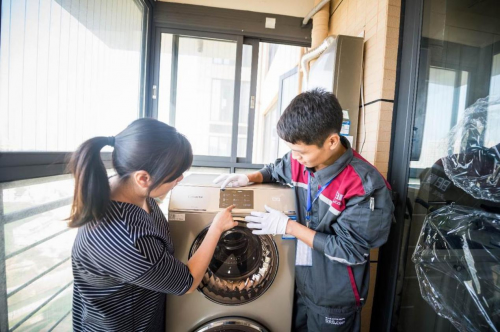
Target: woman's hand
(198, 263)
(224, 220)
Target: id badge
(303, 255)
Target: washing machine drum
(242, 269)
(232, 324)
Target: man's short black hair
(310, 118)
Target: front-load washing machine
(249, 283)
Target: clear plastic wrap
(473, 161)
(457, 260)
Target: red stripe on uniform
(298, 172)
(346, 185)
(357, 155)
(354, 287)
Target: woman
(123, 263)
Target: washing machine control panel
(197, 193)
(243, 199)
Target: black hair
(146, 144)
(310, 118)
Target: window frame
(254, 42)
(205, 160)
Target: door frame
(402, 129)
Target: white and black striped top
(123, 266)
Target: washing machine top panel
(242, 269)
(207, 180)
(197, 193)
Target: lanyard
(309, 202)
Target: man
(344, 209)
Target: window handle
(154, 92)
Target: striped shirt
(123, 265)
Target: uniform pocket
(331, 286)
(369, 225)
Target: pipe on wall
(319, 40)
(313, 54)
(313, 11)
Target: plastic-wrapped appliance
(457, 260)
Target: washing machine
(249, 283)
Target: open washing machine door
(243, 267)
(232, 324)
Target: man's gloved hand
(273, 222)
(232, 180)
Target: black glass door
(446, 169)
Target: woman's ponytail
(92, 191)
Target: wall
(298, 8)
(378, 21)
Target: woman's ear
(142, 179)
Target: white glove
(273, 222)
(232, 180)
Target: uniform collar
(328, 173)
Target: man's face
(311, 155)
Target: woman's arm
(198, 263)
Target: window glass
(275, 78)
(37, 245)
(245, 103)
(196, 91)
(69, 70)
(453, 167)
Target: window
(445, 105)
(63, 66)
(198, 78)
(490, 135)
(37, 249)
(272, 49)
(69, 70)
(289, 88)
(196, 90)
(245, 100)
(276, 87)
(275, 147)
(271, 139)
